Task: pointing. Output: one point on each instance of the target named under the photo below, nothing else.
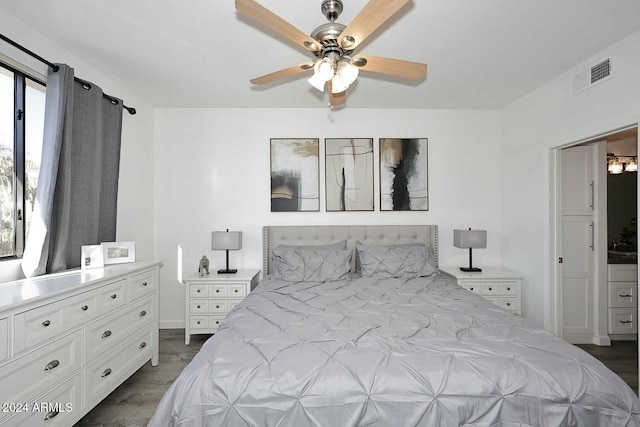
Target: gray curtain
(76, 198)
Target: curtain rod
(131, 110)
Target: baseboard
(172, 324)
(579, 338)
(624, 337)
(602, 340)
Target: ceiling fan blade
(336, 99)
(269, 19)
(374, 14)
(296, 69)
(394, 67)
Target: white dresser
(499, 286)
(67, 340)
(623, 301)
(210, 298)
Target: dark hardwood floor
(134, 402)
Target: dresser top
(243, 275)
(20, 292)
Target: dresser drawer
(623, 273)
(96, 303)
(218, 307)
(56, 408)
(41, 323)
(214, 321)
(216, 291)
(509, 289)
(490, 289)
(103, 334)
(511, 304)
(142, 284)
(4, 339)
(623, 321)
(107, 372)
(21, 380)
(237, 291)
(472, 287)
(623, 294)
(199, 322)
(198, 291)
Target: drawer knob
(490, 289)
(217, 322)
(46, 323)
(471, 288)
(52, 365)
(198, 291)
(106, 372)
(508, 289)
(144, 283)
(197, 306)
(198, 322)
(625, 296)
(143, 313)
(142, 345)
(106, 334)
(236, 291)
(114, 296)
(218, 306)
(50, 415)
(85, 307)
(508, 304)
(626, 321)
(217, 290)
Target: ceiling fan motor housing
(332, 9)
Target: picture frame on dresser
(118, 252)
(92, 256)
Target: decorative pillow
(409, 260)
(400, 245)
(310, 265)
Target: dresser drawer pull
(106, 372)
(236, 291)
(508, 304)
(142, 313)
(198, 322)
(217, 290)
(198, 291)
(84, 308)
(50, 415)
(142, 345)
(490, 289)
(46, 323)
(625, 296)
(52, 365)
(218, 306)
(144, 283)
(217, 322)
(197, 306)
(114, 296)
(471, 288)
(508, 289)
(626, 321)
(106, 334)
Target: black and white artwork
(349, 174)
(295, 180)
(403, 174)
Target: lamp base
(470, 269)
(228, 271)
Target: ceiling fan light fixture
(324, 69)
(338, 85)
(317, 82)
(347, 72)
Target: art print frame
(404, 174)
(92, 256)
(295, 174)
(119, 252)
(349, 174)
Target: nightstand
(210, 298)
(501, 287)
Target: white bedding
(389, 352)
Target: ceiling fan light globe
(317, 82)
(347, 72)
(324, 69)
(338, 85)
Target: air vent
(592, 76)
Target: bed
(383, 349)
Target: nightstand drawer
(199, 306)
(471, 287)
(623, 321)
(509, 289)
(489, 289)
(623, 294)
(237, 291)
(216, 291)
(214, 321)
(511, 304)
(218, 307)
(198, 291)
(199, 322)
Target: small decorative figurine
(203, 268)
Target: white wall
(212, 173)
(135, 195)
(546, 118)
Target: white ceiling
(482, 54)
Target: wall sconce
(470, 239)
(226, 241)
(618, 164)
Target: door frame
(553, 292)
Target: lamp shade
(470, 238)
(229, 240)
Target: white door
(578, 203)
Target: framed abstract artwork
(349, 174)
(403, 174)
(295, 178)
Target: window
(21, 128)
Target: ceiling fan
(333, 44)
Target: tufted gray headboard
(272, 236)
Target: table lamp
(470, 239)
(226, 241)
